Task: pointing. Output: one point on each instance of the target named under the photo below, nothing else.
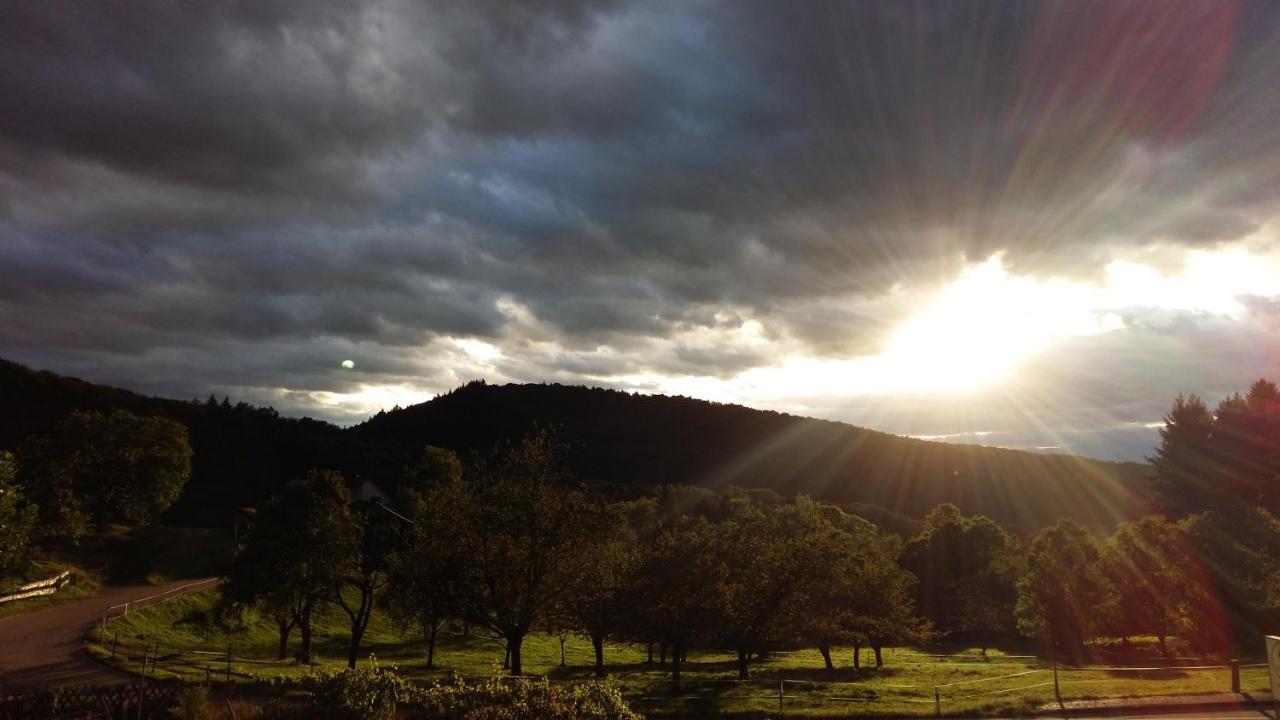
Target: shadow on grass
(1170, 673)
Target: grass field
(192, 645)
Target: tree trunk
(513, 646)
(650, 652)
(1164, 648)
(879, 659)
(285, 627)
(304, 627)
(562, 638)
(431, 643)
(662, 656)
(506, 659)
(353, 650)
(857, 656)
(675, 666)
(742, 664)
(597, 642)
(304, 650)
(825, 649)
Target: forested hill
(641, 441)
(241, 454)
(628, 443)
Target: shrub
(505, 698)
(362, 694)
(193, 704)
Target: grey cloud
(183, 183)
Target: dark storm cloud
(184, 184)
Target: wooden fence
(123, 609)
(145, 700)
(48, 586)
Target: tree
(17, 520)
(367, 543)
(824, 611)
(113, 468)
(1184, 463)
(295, 553)
(885, 615)
(678, 584)
(1152, 566)
(1064, 597)
(434, 466)
(422, 573)
(603, 570)
(769, 556)
(516, 527)
(963, 567)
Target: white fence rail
(123, 609)
(47, 586)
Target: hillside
(638, 441)
(242, 453)
(622, 442)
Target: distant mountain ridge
(625, 443)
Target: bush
(193, 704)
(505, 698)
(362, 694)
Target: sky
(1018, 224)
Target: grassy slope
(903, 687)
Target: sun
(982, 324)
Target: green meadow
(192, 643)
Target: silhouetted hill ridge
(644, 440)
(625, 443)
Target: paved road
(46, 647)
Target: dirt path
(46, 647)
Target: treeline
(508, 544)
(240, 454)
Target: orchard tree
(105, 468)
(963, 565)
(1155, 571)
(370, 536)
(677, 595)
(770, 556)
(422, 574)
(885, 615)
(824, 611)
(602, 574)
(516, 527)
(295, 554)
(1064, 596)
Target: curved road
(45, 647)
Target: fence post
(937, 701)
(1235, 674)
(228, 662)
(781, 685)
(114, 639)
(1057, 690)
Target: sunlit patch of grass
(966, 683)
